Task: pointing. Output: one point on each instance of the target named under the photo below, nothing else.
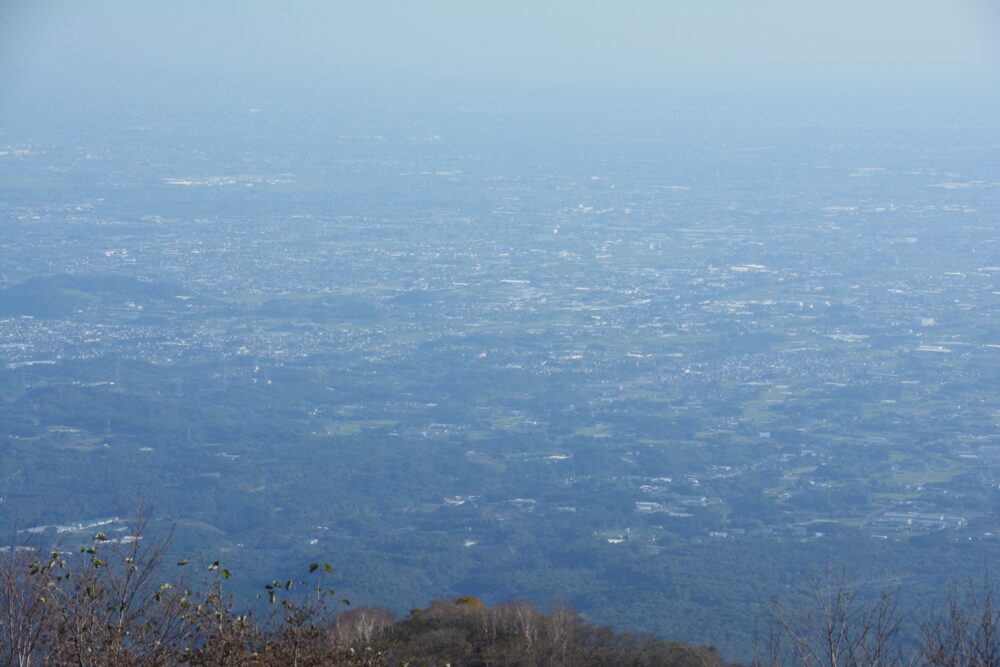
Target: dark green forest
(123, 601)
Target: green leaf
(97, 562)
(226, 573)
(313, 567)
(327, 568)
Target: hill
(110, 603)
(63, 294)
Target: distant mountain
(63, 294)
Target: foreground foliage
(108, 605)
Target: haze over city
(546, 315)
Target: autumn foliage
(108, 605)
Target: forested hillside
(120, 602)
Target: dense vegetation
(109, 604)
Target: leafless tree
(360, 627)
(562, 631)
(966, 632)
(840, 627)
(24, 608)
(110, 609)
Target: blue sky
(710, 45)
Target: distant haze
(713, 45)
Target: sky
(710, 45)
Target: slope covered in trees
(115, 603)
(109, 605)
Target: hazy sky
(714, 45)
